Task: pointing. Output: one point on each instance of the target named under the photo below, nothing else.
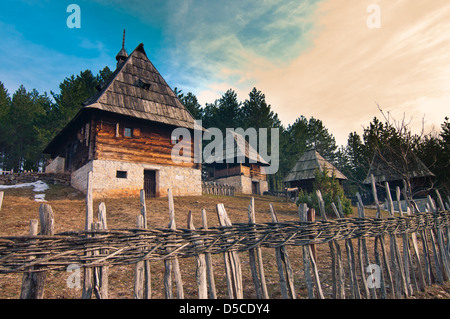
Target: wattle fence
(418, 253)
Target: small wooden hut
(387, 166)
(240, 166)
(123, 134)
(302, 175)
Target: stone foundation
(243, 184)
(183, 181)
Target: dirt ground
(68, 205)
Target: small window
(121, 174)
(127, 132)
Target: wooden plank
(284, 266)
(232, 261)
(1, 200)
(201, 264)
(209, 265)
(33, 282)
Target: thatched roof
(387, 167)
(137, 89)
(306, 167)
(241, 147)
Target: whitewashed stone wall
(243, 184)
(183, 181)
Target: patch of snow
(38, 187)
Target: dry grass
(69, 214)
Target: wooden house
(123, 134)
(239, 166)
(302, 175)
(393, 168)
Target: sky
(335, 60)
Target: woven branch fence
(419, 253)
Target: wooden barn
(123, 134)
(246, 173)
(389, 167)
(302, 175)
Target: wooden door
(150, 183)
(255, 188)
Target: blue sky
(313, 57)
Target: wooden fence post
(308, 260)
(421, 283)
(33, 282)
(380, 240)
(256, 262)
(396, 259)
(284, 266)
(209, 266)
(101, 273)
(139, 269)
(232, 261)
(363, 254)
(1, 200)
(87, 281)
(336, 255)
(172, 265)
(201, 273)
(147, 273)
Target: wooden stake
(139, 270)
(101, 273)
(147, 272)
(87, 281)
(33, 282)
(172, 265)
(302, 211)
(209, 266)
(232, 261)
(256, 263)
(284, 266)
(201, 265)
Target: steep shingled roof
(137, 89)
(306, 166)
(241, 148)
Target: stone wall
(30, 177)
(243, 184)
(183, 181)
